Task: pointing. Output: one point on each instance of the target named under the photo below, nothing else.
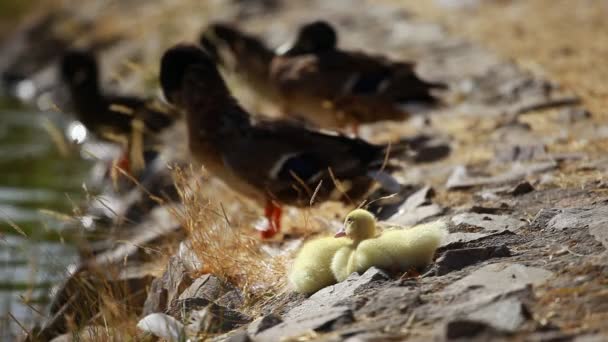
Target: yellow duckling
(311, 270)
(392, 249)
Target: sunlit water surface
(37, 184)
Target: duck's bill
(340, 233)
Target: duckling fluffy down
(392, 250)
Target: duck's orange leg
(273, 213)
(123, 162)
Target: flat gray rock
(324, 308)
(416, 208)
(593, 218)
(461, 179)
(505, 315)
(499, 278)
(489, 222)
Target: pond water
(38, 185)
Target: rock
(188, 257)
(461, 238)
(163, 326)
(340, 292)
(489, 314)
(419, 198)
(499, 278)
(417, 215)
(168, 287)
(207, 316)
(456, 259)
(472, 240)
(574, 114)
(592, 338)
(505, 315)
(391, 300)
(431, 152)
(416, 208)
(515, 153)
(240, 336)
(326, 309)
(464, 328)
(489, 222)
(543, 216)
(263, 323)
(319, 321)
(593, 218)
(460, 178)
(207, 286)
(521, 189)
(489, 210)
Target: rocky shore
(523, 191)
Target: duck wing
(289, 162)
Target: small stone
(521, 189)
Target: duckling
(277, 162)
(110, 116)
(393, 249)
(311, 270)
(335, 88)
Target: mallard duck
(311, 269)
(276, 162)
(242, 54)
(394, 249)
(334, 88)
(109, 116)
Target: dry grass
(226, 247)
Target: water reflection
(35, 248)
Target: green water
(35, 246)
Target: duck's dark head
(187, 70)
(318, 36)
(79, 69)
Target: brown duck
(313, 80)
(335, 88)
(276, 162)
(110, 116)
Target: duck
(337, 88)
(109, 116)
(243, 55)
(394, 249)
(276, 162)
(311, 269)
